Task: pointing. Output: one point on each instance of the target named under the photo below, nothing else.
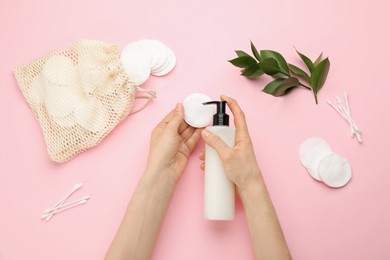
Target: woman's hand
(171, 144)
(241, 167)
(239, 162)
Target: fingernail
(205, 133)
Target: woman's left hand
(171, 144)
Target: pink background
(318, 222)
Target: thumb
(177, 118)
(217, 143)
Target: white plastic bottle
(219, 191)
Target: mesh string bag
(78, 94)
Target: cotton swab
(349, 112)
(45, 216)
(345, 112)
(340, 111)
(350, 121)
(67, 204)
(76, 187)
(60, 206)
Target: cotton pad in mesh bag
(78, 94)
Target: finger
(187, 133)
(164, 122)
(217, 143)
(193, 139)
(202, 155)
(239, 118)
(183, 126)
(177, 118)
(202, 166)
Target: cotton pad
(36, 91)
(145, 57)
(59, 70)
(170, 63)
(334, 171)
(61, 101)
(92, 115)
(323, 164)
(313, 159)
(158, 52)
(309, 145)
(195, 113)
(90, 75)
(67, 121)
(136, 61)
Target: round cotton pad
(91, 76)
(168, 67)
(36, 91)
(165, 59)
(334, 171)
(136, 62)
(195, 113)
(59, 70)
(67, 121)
(313, 159)
(311, 144)
(60, 102)
(158, 51)
(92, 115)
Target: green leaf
(318, 60)
(243, 62)
(270, 87)
(252, 71)
(269, 66)
(318, 76)
(294, 69)
(278, 75)
(255, 52)
(283, 67)
(256, 74)
(306, 60)
(280, 87)
(241, 53)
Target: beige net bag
(78, 94)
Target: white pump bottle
(219, 191)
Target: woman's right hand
(239, 162)
(241, 167)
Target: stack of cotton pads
(195, 113)
(324, 165)
(145, 57)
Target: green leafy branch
(273, 64)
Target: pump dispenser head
(220, 118)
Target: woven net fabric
(78, 94)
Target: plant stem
(303, 85)
(315, 97)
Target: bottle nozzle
(220, 118)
